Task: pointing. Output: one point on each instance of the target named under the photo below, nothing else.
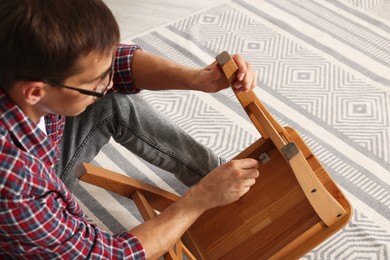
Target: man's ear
(33, 91)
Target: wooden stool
(293, 207)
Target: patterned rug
(324, 69)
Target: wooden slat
(143, 205)
(325, 205)
(158, 198)
(327, 208)
(186, 251)
(267, 125)
(229, 68)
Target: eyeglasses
(101, 89)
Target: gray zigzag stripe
(340, 28)
(364, 4)
(314, 42)
(189, 59)
(361, 236)
(362, 15)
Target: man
(61, 61)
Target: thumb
(215, 71)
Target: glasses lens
(105, 83)
(102, 85)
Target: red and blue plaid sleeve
(123, 79)
(40, 219)
(43, 228)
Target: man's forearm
(156, 73)
(158, 235)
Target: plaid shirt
(39, 217)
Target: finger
(248, 183)
(248, 163)
(216, 70)
(249, 81)
(242, 66)
(250, 78)
(250, 174)
(243, 191)
(254, 82)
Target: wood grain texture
(274, 219)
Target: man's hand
(225, 184)
(211, 78)
(222, 186)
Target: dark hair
(43, 39)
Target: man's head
(45, 39)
